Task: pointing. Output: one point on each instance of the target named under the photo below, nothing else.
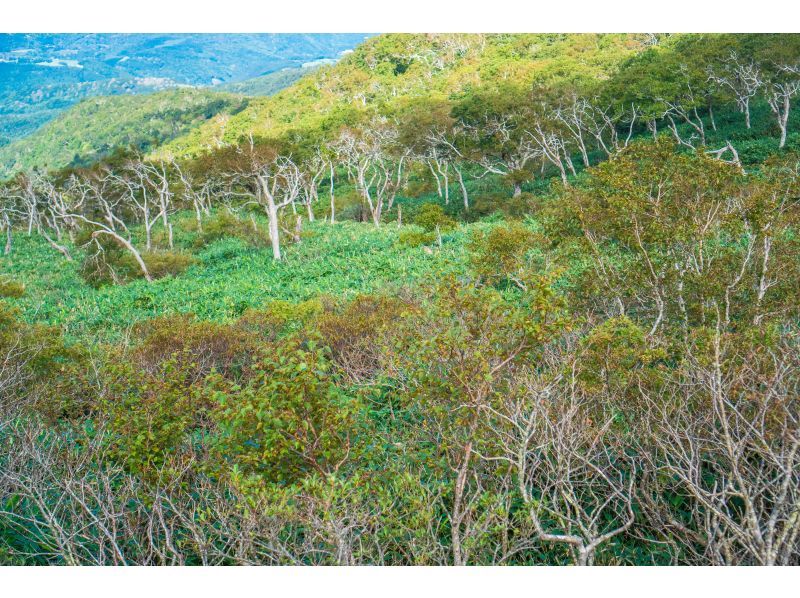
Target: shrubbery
(11, 289)
(106, 262)
(225, 225)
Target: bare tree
(149, 186)
(516, 149)
(576, 115)
(94, 194)
(742, 78)
(372, 158)
(779, 90)
(197, 193)
(552, 148)
(8, 215)
(442, 149)
(277, 182)
(728, 431)
(574, 474)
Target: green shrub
(431, 216)
(415, 238)
(279, 318)
(352, 332)
(487, 204)
(108, 263)
(350, 206)
(290, 420)
(225, 224)
(148, 418)
(11, 289)
(501, 253)
(195, 347)
(612, 353)
(160, 263)
(35, 362)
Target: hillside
(454, 300)
(385, 70)
(95, 127)
(267, 85)
(43, 74)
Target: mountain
(95, 127)
(267, 85)
(393, 75)
(392, 68)
(41, 75)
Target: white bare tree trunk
(127, 244)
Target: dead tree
(741, 78)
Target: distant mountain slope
(388, 68)
(42, 74)
(95, 127)
(268, 85)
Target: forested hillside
(388, 71)
(96, 127)
(454, 300)
(43, 74)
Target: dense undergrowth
(588, 367)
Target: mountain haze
(42, 74)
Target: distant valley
(42, 75)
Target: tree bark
(333, 201)
(274, 238)
(464, 193)
(127, 244)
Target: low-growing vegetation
(286, 351)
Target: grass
(340, 260)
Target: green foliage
(431, 217)
(224, 224)
(95, 127)
(290, 419)
(416, 238)
(570, 354)
(36, 361)
(501, 254)
(146, 418)
(195, 348)
(229, 279)
(11, 289)
(390, 69)
(355, 332)
(613, 354)
(107, 262)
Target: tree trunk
(298, 228)
(274, 238)
(436, 178)
(584, 154)
(198, 217)
(653, 126)
(60, 248)
(784, 120)
(333, 202)
(127, 244)
(464, 193)
(458, 502)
